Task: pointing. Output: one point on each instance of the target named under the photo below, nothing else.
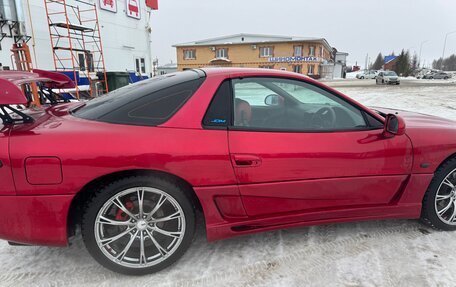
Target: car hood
(419, 120)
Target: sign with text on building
(292, 59)
(109, 5)
(133, 9)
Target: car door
(6, 178)
(302, 159)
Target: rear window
(150, 102)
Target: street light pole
(421, 48)
(444, 46)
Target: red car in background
(252, 149)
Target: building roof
(389, 58)
(244, 38)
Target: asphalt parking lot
(380, 253)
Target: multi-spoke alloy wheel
(138, 226)
(445, 199)
(439, 203)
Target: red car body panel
(298, 178)
(7, 183)
(433, 139)
(37, 220)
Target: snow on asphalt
(379, 253)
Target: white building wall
(124, 38)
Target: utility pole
(367, 58)
(421, 48)
(444, 46)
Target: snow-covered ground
(436, 98)
(380, 253)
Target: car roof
(251, 71)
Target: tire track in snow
(256, 274)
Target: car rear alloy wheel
(138, 226)
(445, 199)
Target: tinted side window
(219, 111)
(373, 122)
(155, 108)
(97, 108)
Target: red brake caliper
(122, 216)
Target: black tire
(362, 78)
(446, 78)
(429, 214)
(104, 194)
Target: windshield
(390, 74)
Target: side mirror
(273, 100)
(394, 126)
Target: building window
(140, 65)
(82, 64)
(297, 51)
(312, 51)
(86, 62)
(266, 66)
(137, 69)
(310, 69)
(266, 52)
(297, 69)
(221, 53)
(90, 63)
(189, 54)
(143, 65)
(321, 52)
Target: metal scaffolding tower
(76, 43)
(23, 61)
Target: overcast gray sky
(358, 27)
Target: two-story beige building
(297, 54)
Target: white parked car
(387, 77)
(367, 75)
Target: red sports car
(252, 149)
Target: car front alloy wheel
(439, 203)
(445, 199)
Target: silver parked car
(367, 75)
(387, 77)
(437, 75)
